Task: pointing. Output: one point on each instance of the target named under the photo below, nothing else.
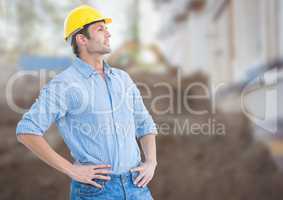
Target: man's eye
(101, 29)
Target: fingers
(143, 178)
(144, 181)
(137, 180)
(101, 166)
(101, 177)
(88, 173)
(95, 184)
(102, 171)
(141, 175)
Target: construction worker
(99, 113)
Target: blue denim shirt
(99, 119)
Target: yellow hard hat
(81, 16)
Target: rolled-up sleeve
(50, 106)
(143, 120)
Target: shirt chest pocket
(95, 102)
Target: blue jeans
(120, 187)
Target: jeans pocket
(90, 190)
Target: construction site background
(210, 75)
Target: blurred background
(221, 58)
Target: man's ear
(81, 39)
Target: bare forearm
(148, 145)
(39, 146)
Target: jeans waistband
(124, 174)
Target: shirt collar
(86, 70)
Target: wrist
(151, 161)
(69, 170)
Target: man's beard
(102, 50)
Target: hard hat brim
(106, 21)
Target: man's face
(98, 42)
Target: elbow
(24, 138)
(21, 138)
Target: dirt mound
(215, 167)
